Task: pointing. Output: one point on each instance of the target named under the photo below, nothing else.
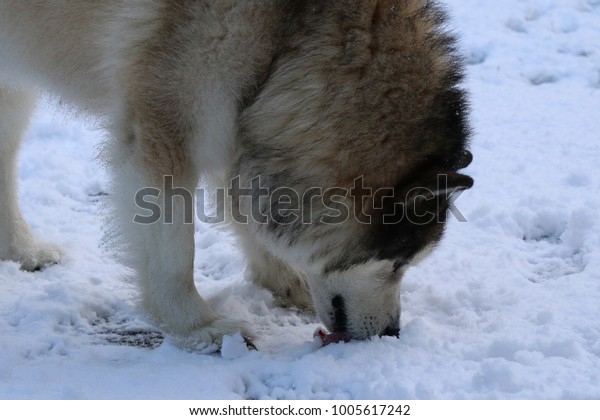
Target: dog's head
(356, 291)
(372, 95)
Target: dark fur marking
(340, 317)
(392, 331)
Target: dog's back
(71, 48)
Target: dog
(343, 124)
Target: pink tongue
(335, 337)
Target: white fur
(86, 58)
(17, 242)
(371, 294)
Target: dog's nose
(391, 330)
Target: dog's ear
(444, 185)
(430, 200)
(416, 215)
(423, 202)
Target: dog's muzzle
(340, 322)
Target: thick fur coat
(353, 107)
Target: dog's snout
(340, 321)
(392, 330)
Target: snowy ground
(507, 307)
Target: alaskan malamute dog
(338, 126)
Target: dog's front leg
(17, 243)
(153, 203)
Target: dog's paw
(36, 256)
(208, 339)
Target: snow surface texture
(507, 307)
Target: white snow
(507, 307)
